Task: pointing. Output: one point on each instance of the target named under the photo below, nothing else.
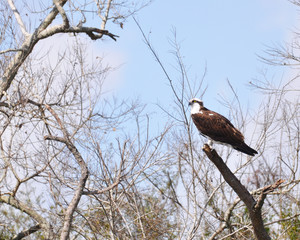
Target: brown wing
(217, 127)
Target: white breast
(195, 108)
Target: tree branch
(26, 48)
(226, 219)
(62, 13)
(31, 212)
(254, 209)
(18, 17)
(27, 232)
(42, 32)
(265, 191)
(229, 177)
(104, 19)
(10, 50)
(83, 177)
(92, 32)
(110, 187)
(50, 17)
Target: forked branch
(83, 177)
(44, 30)
(253, 206)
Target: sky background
(226, 36)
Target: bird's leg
(210, 143)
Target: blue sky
(224, 35)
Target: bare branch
(18, 18)
(105, 17)
(27, 232)
(42, 32)
(265, 191)
(43, 223)
(10, 50)
(62, 13)
(241, 191)
(93, 33)
(83, 178)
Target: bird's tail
(245, 149)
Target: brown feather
(217, 127)
(220, 129)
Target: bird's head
(195, 104)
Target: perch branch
(254, 208)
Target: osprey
(217, 128)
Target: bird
(217, 128)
